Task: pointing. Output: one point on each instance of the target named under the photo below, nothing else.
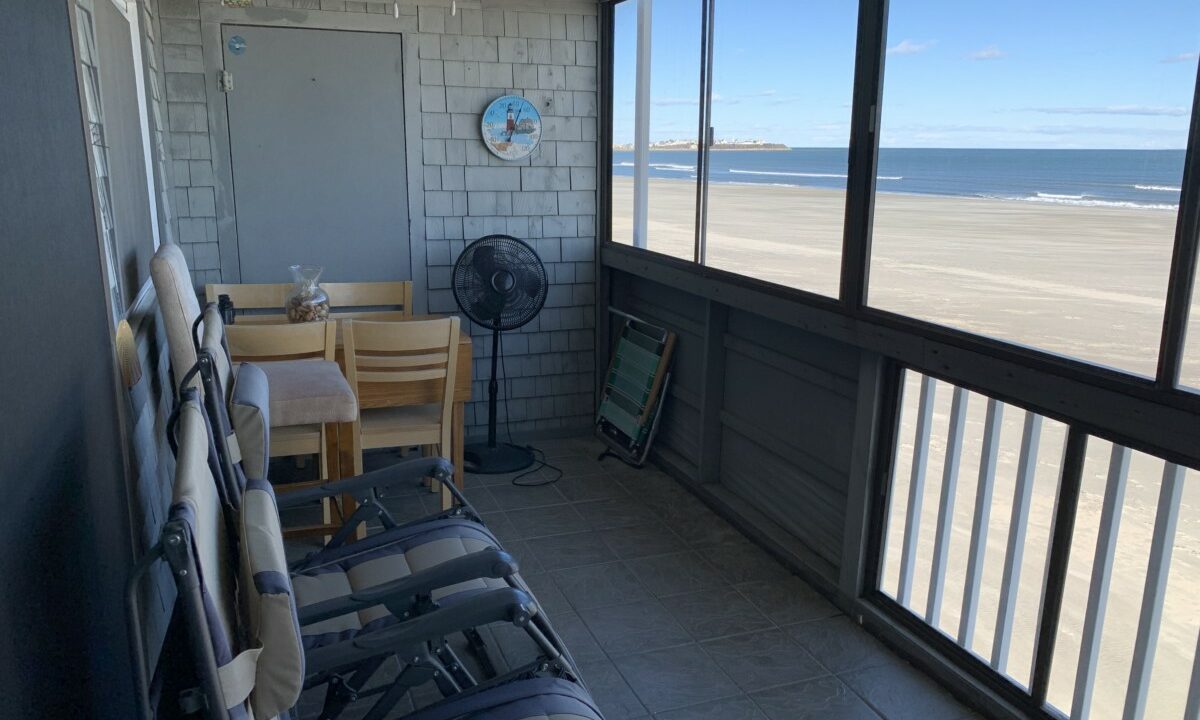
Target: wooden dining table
(341, 438)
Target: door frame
(212, 18)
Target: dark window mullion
(705, 120)
(1183, 258)
(864, 152)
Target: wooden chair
(344, 298)
(297, 355)
(394, 354)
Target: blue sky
(1011, 73)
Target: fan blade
(488, 305)
(483, 260)
(528, 280)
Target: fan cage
(500, 282)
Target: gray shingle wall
(467, 59)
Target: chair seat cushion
(381, 558)
(308, 392)
(541, 698)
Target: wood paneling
(782, 402)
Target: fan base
(504, 458)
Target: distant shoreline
(769, 147)
(1032, 200)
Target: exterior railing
(1068, 565)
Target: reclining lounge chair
(249, 656)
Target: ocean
(1146, 179)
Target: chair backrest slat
(400, 376)
(383, 360)
(342, 296)
(404, 352)
(282, 341)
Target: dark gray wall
(64, 537)
(760, 418)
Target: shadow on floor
(669, 611)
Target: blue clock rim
(483, 124)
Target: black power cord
(539, 457)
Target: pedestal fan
(499, 283)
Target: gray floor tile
(599, 585)
(577, 637)
(824, 698)
(513, 497)
(547, 593)
(527, 562)
(655, 488)
(591, 487)
(551, 520)
(524, 476)
(565, 447)
(471, 480)
(675, 678)
(765, 659)
(500, 526)
(699, 526)
(574, 550)
(745, 562)
(738, 707)
(634, 627)
(717, 612)
(515, 645)
(642, 540)
(788, 600)
(481, 499)
(676, 573)
(899, 691)
(610, 691)
(405, 507)
(615, 513)
(578, 465)
(841, 645)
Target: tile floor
(671, 613)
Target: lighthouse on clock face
(510, 122)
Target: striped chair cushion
(269, 604)
(382, 558)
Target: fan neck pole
(493, 387)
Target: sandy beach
(1087, 282)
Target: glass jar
(307, 302)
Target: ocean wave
(809, 175)
(660, 166)
(1088, 201)
(786, 174)
(1158, 188)
(1056, 196)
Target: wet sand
(1087, 282)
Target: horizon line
(920, 147)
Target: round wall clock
(511, 127)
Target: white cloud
(672, 102)
(1151, 110)
(910, 47)
(1181, 57)
(991, 52)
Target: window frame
(866, 106)
(123, 292)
